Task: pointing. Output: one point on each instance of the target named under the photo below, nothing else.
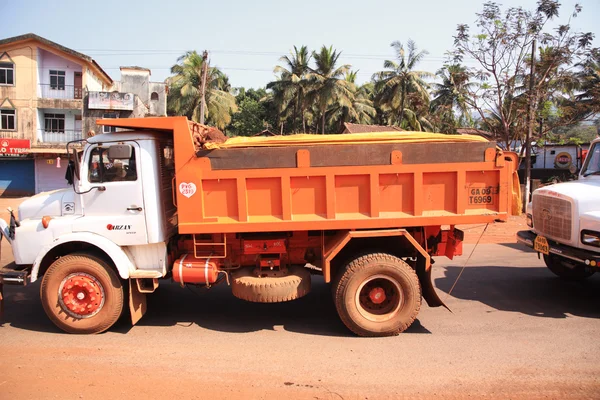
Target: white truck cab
(119, 211)
(565, 222)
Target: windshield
(592, 162)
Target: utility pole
(203, 85)
(529, 129)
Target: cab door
(114, 207)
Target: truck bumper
(582, 256)
(13, 274)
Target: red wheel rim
(377, 295)
(81, 295)
(379, 298)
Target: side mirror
(120, 152)
(72, 170)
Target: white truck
(565, 222)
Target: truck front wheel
(567, 269)
(377, 295)
(82, 294)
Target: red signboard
(14, 147)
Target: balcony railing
(65, 92)
(62, 137)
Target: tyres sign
(14, 147)
(563, 160)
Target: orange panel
(264, 197)
(308, 196)
(352, 194)
(439, 191)
(220, 198)
(482, 190)
(331, 198)
(396, 192)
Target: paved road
(515, 331)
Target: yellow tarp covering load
(352, 138)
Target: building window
(154, 96)
(7, 73)
(54, 122)
(8, 119)
(109, 129)
(57, 80)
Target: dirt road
(515, 332)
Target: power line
(137, 52)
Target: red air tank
(189, 269)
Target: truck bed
(345, 187)
(321, 183)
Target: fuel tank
(189, 269)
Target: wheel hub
(81, 295)
(377, 295)
(379, 298)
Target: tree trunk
(323, 124)
(295, 117)
(401, 116)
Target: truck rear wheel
(377, 295)
(82, 294)
(560, 267)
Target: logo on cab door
(112, 227)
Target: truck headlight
(590, 238)
(529, 221)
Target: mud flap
(429, 293)
(137, 302)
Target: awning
(47, 150)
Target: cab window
(103, 169)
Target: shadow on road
(518, 246)
(533, 291)
(215, 309)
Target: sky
(246, 38)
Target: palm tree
(394, 85)
(292, 84)
(327, 84)
(360, 110)
(184, 91)
(451, 96)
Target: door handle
(134, 208)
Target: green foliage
(254, 114)
(327, 85)
(449, 107)
(501, 49)
(576, 134)
(184, 92)
(314, 91)
(400, 91)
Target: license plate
(541, 245)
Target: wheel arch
(93, 244)
(398, 242)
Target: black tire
(368, 279)
(567, 269)
(65, 278)
(246, 286)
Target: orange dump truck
(367, 212)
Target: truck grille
(552, 217)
